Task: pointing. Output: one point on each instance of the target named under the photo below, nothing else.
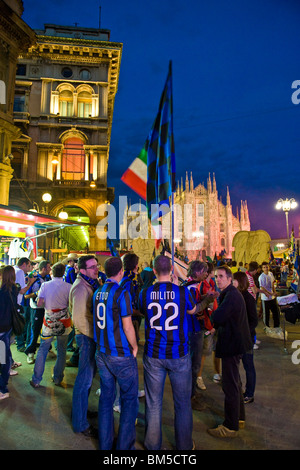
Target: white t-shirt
(20, 279)
(266, 281)
(55, 293)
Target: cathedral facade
(203, 225)
(208, 227)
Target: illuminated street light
(286, 205)
(47, 198)
(63, 215)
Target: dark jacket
(148, 277)
(230, 320)
(6, 308)
(251, 313)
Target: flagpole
(172, 234)
(172, 194)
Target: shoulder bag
(18, 320)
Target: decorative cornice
(15, 29)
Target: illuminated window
(66, 103)
(73, 159)
(84, 107)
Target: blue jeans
(39, 366)
(24, 338)
(36, 321)
(249, 367)
(155, 372)
(5, 360)
(124, 371)
(196, 349)
(83, 382)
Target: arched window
(66, 103)
(73, 159)
(84, 104)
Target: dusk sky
(234, 63)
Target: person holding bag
(8, 301)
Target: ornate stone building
(15, 36)
(64, 100)
(203, 225)
(211, 224)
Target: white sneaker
(141, 393)
(217, 378)
(13, 372)
(257, 341)
(98, 392)
(30, 358)
(200, 383)
(117, 408)
(4, 395)
(255, 346)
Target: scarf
(94, 283)
(132, 276)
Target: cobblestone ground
(39, 419)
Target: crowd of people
(98, 315)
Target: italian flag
(136, 175)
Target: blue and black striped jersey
(70, 275)
(165, 308)
(110, 303)
(130, 283)
(193, 322)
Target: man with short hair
(233, 340)
(36, 313)
(268, 297)
(253, 289)
(81, 297)
(54, 297)
(70, 273)
(22, 269)
(165, 306)
(116, 358)
(130, 282)
(197, 272)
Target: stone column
(6, 174)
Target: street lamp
(63, 215)
(46, 197)
(286, 205)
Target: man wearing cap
(70, 273)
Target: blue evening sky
(234, 63)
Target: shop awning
(23, 218)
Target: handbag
(18, 320)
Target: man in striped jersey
(165, 306)
(116, 358)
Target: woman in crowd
(8, 301)
(240, 281)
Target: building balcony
(21, 116)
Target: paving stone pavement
(39, 419)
